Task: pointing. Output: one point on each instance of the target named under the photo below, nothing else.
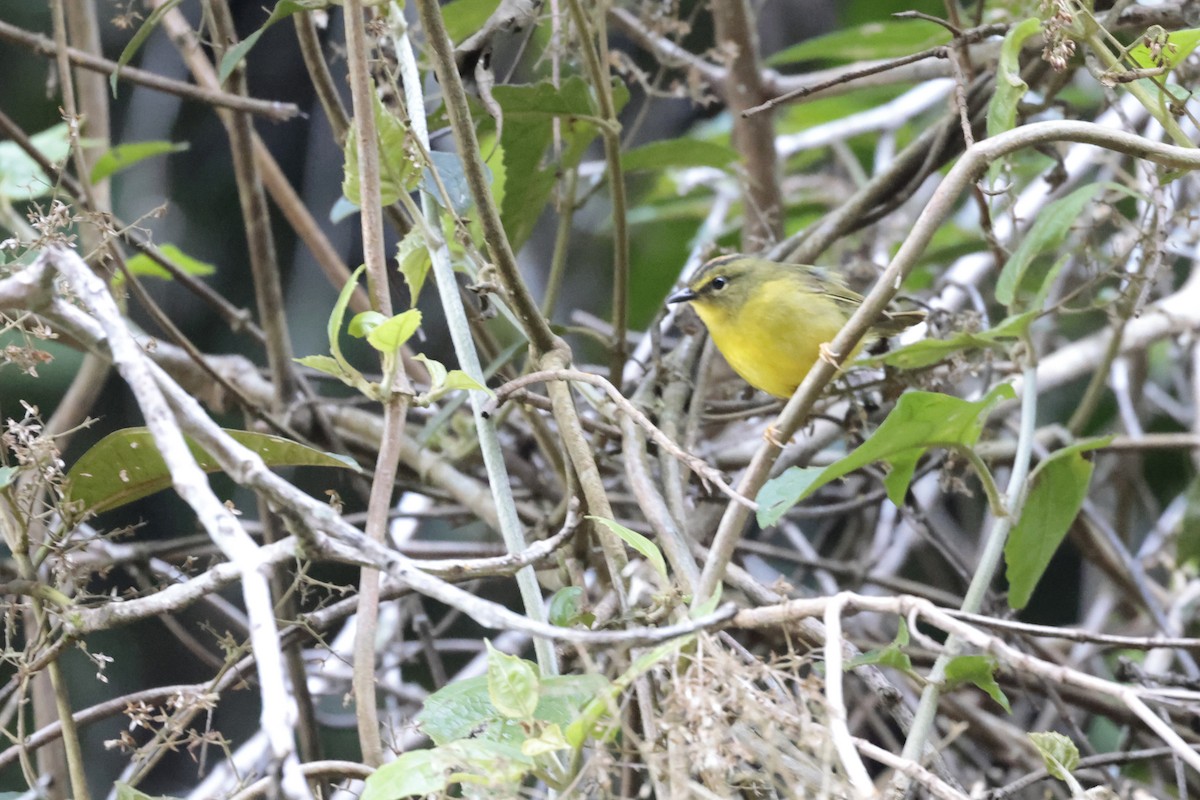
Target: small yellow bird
(770, 320)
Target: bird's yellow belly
(771, 343)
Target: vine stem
(993, 549)
(468, 358)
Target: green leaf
(326, 364)
(680, 152)
(1046, 234)
(138, 38)
(364, 322)
(529, 113)
(20, 176)
(424, 772)
(513, 684)
(412, 254)
(464, 17)
(126, 155)
(1188, 545)
(1172, 48)
(283, 9)
(143, 265)
(919, 421)
(333, 327)
(550, 740)
(635, 540)
(567, 608)
(1010, 88)
(457, 379)
(453, 179)
(126, 465)
(875, 40)
(464, 708)
(391, 334)
(890, 656)
(932, 351)
(709, 606)
(436, 370)
(978, 670)
(398, 168)
(1056, 490)
(1059, 753)
(8, 473)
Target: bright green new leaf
(1010, 87)
(513, 684)
(1046, 234)
(919, 421)
(391, 334)
(364, 322)
(436, 370)
(144, 266)
(875, 40)
(412, 255)
(1056, 490)
(457, 379)
(550, 740)
(21, 178)
(891, 656)
(139, 37)
(1171, 48)
(126, 465)
(635, 540)
(1059, 753)
(566, 608)
(979, 670)
(124, 156)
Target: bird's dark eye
(718, 283)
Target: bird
(771, 320)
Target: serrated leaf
(1010, 87)
(21, 178)
(391, 334)
(919, 421)
(1059, 753)
(513, 684)
(398, 168)
(412, 256)
(550, 740)
(635, 540)
(1057, 488)
(978, 670)
(680, 152)
(1046, 234)
(124, 156)
(126, 465)
(139, 37)
(143, 265)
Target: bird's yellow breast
(774, 337)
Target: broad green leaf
(138, 38)
(391, 334)
(978, 670)
(1058, 752)
(453, 180)
(412, 255)
(327, 364)
(513, 684)
(635, 540)
(399, 172)
(126, 155)
(919, 421)
(528, 113)
(932, 351)
(464, 17)
(1046, 234)
(143, 265)
(566, 608)
(1172, 48)
(20, 176)
(1057, 488)
(464, 708)
(283, 9)
(875, 40)
(364, 322)
(457, 379)
(436, 370)
(8, 473)
(1010, 88)
(424, 772)
(681, 152)
(126, 465)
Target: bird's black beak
(682, 296)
